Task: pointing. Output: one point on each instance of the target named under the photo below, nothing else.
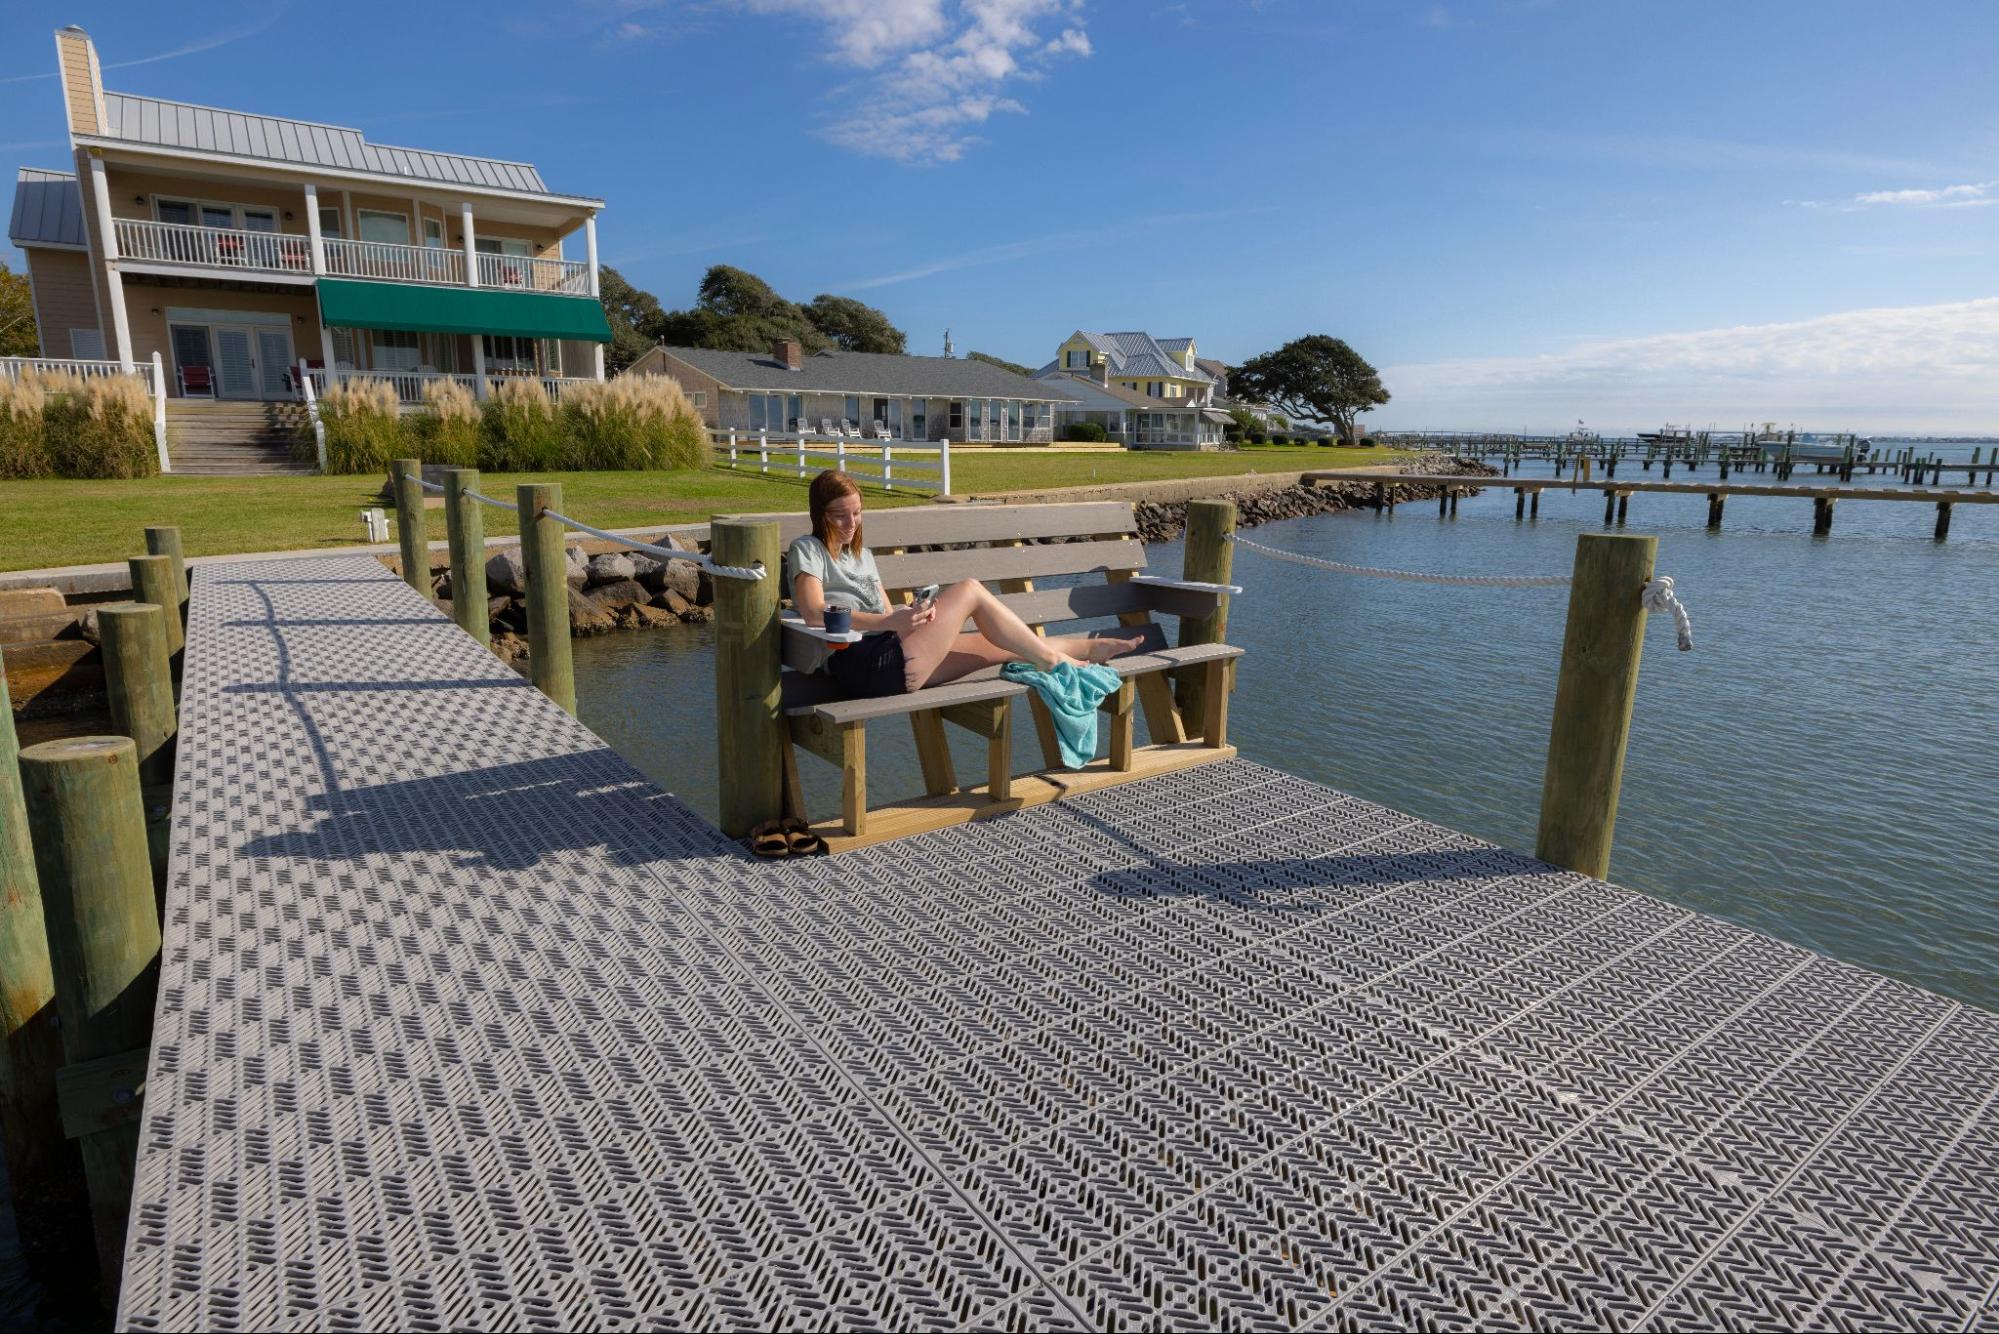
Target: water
(1822, 767)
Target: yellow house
(247, 253)
(1152, 367)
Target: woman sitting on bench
(914, 646)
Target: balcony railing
(387, 261)
(409, 385)
(520, 273)
(212, 247)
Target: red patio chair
(196, 380)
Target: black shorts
(871, 668)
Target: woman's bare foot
(1103, 650)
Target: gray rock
(648, 570)
(586, 617)
(682, 578)
(506, 576)
(624, 593)
(611, 568)
(579, 566)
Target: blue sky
(1525, 212)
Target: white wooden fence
(882, 463)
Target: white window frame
(331, 225)
(362, 214)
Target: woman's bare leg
(940, 651)
(966, 654)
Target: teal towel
(1072, 694)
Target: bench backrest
(1008, 547)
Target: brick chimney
(792, 353)
(82, 84)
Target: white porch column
(479, 386)
(471, 250)
(312, 231)
(114, 285)
(590, 250)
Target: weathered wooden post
(750, 731)
(410, 534)
(1715, 501)
(139, 684)
(1519, 503)
(1943, 520)
(166, 542)
(549, 663)
(1609, 506)
(153, 581)
(104, 944)
(30, 1042)
(1593, 697)
(1822, 514)
(1208, 558)
(465, 526)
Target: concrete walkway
(465, 1024)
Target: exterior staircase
(218, 437)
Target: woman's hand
(904, 619)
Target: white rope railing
(1658, 595)
(750, 572)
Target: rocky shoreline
(631, 591)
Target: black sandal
(769, 840)
(800, 841)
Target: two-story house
(1136, 361)
(247, 250)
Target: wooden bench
(1005, 547)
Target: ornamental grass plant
(22, 440)
(364, 426)
(98, 426)
(447, 429)
(521, 429)
(633, 423)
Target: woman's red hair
(828, 487)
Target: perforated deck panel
(465, 1025)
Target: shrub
(447, 429)
(1258, 436)
(23, 451)
(520, 431)
(1325, 441)
(634, 422)
(1088, 432)
(364, 426)
(1367, 442)
(99, 426)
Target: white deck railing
(386, 261)
(409, 385)
(568, 277)
(212, 247)
(882, 462)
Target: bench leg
(1044, 731)
(933, 752)
(794, 792)
(1162, 718)
(999, 754)
(1120, 707)
(854, 778)
(1215, 706)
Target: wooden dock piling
(30, 1042)
(1209, 558)
(1943, 520)
(465, 528)
(1593, 698)
(139, 683)
(550, 664)
(1822, 514)
(750, 729)
(1520, 504)
(165, 541)
(410, 526)
(153, 581)
(104, 945)
(1715, 501)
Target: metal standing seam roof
(864, 373)
(1100, 397)
(48, 209)
(463, 1024)
(1138, 354)
(164, 124)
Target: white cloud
(943, 67)
(1907, 368)
(1977, 195)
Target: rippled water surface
(1822, 767)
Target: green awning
(347, 304)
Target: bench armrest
(795, 624)
(1180, 597)
(1192, 586)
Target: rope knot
(1658, 596)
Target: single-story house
(784, 391)
(1137, 420)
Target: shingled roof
(883, 373)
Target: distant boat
(1668, 435)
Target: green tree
(18, 336)
(1000, 362)
(1314, 378)
(737, 311)
(635, 317)
(854, 326)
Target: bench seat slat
(993, 564)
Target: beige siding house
(247, 251)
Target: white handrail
(159, 387)
(305, 386)
(526, 272)
(12, 367)
(392, 261)
(212, 247)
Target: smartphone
(926, 595)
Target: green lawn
(77, 523)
